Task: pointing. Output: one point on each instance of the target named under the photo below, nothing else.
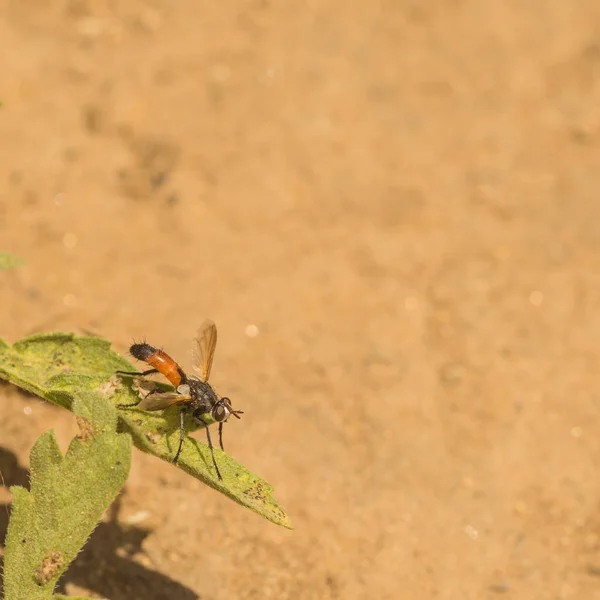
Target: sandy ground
(404, 200)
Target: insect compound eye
(220, 412)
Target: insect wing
(203, 349)
(162, 400)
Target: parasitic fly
(193, 393)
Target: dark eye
(220, 413)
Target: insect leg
(136, 403)
(212, 451)
(148, 372)
(181, 434)
(221, 435)
(129, 405)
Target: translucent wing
(162, 400)
(203, 348)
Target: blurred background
(391, 210)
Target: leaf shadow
(106, 564)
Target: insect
(193, 393)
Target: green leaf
(50, 524)
(56, 366)
(8, 261)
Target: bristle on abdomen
(142, 351)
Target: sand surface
(392, 212)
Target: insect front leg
(212, 451)
(221, 435)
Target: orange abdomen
(160, 361)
